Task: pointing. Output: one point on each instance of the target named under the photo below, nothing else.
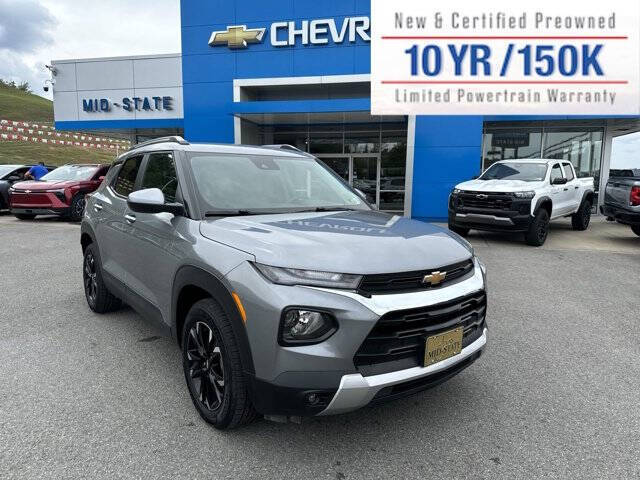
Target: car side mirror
(151, 200)
(559, 181)
(14, 178)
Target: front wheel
(213, 369)
(636, 229)
(538, 230)
(98, 296)
(581, 219)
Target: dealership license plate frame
(452, 339)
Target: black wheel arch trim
(86, 229)
(204, 280)
(587, 194)
(539, 203)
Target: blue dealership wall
(447, 149)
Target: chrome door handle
(97, 207)
(130, 218)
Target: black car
(10, 174)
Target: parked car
(287, 293)
(522, 196)
(622, 198)
(10, 174)
(61, 192)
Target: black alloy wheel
(90, 278)
(77, 208)
(538, 230)
(206, 366)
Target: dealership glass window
(507, 144)
(362, 142)
(326, 142)
(583, 148)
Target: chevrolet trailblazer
(287, 294)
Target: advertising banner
(501, 57)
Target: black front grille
(413, 281)
(482, 200)
(398, 340)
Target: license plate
(442, 346)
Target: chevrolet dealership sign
(305, 32)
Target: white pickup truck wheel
(581, 219)
(539, 229)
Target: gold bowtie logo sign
(237, 36)
(436, 278)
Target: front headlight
(526, 195)
(293, 276)
(456, 191)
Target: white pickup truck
(522, 196)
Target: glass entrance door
(362, 171)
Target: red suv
(61, 192)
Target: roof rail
(290, 148)
(173, 139)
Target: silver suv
(287, 293)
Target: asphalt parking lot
(556, 394)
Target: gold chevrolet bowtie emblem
(435, 278)
(237, 36)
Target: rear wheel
(538, 230)
(98, 296)
(636, 229)
(212, 367)
(77, 208)
(24, 216)
(463, 232)
(581, 219)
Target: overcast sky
(34, 32)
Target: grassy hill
(22, 106)
(23, 153)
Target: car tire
(76, 210)
(98, 296)
(213, 369)
(463, 232)
(636, 229)
(24, 216)
(581, 219)
(539, 229)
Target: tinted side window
(126, 180)
(556, 172)
(568, 172)
(161, 173)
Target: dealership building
(298, 73)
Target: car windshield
(70, 173)
(6, 169)
(527, 172)
(263, 183)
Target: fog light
(306, 327)
(312, 399)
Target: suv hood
(345, 242)
(40, 186)
(499, 185)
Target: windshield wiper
(332, 209)
(230, 213)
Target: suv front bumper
(323, 379)
(356, 391)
